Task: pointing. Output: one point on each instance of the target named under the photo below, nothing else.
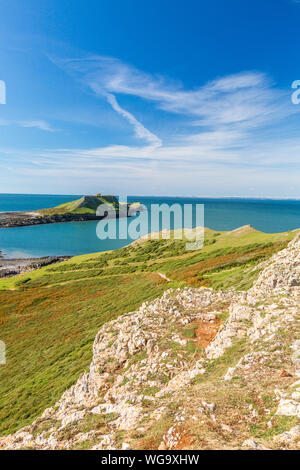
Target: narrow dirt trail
(163, 276)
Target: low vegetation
(86, 205)
(50, 317)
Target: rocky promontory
(80, 210)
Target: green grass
(218, 367)
(50, 319)
(189, 333)
(280, 425)
(49, 334)
(86, 205)
(88, 423)
(229, 262)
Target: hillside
(83, 205)
(201, 328)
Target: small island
(79, 210)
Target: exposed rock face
(281, 274)
(145, 358)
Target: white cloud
(236, 98)
(38, 124)
(43, 125)
(231, 107)
(140, 131)
(233, 135)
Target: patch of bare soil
(206, 332)
(184, 441)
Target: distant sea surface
(74, 238)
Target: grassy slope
(50, 319)
(84, 205)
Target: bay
(74, 238)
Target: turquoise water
(80, 237)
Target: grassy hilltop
(49, 317)
(84, 205)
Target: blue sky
(150, 97)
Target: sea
(76, 238)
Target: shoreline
(15, 266)
(27, 219)
(201, 196)
(30, 218)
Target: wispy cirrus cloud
(224, 115)
(37, 124)
(140, 131)
(235, 104)
(243, 97)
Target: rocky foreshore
(23, 219)
(13, 267)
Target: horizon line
(278, 198)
